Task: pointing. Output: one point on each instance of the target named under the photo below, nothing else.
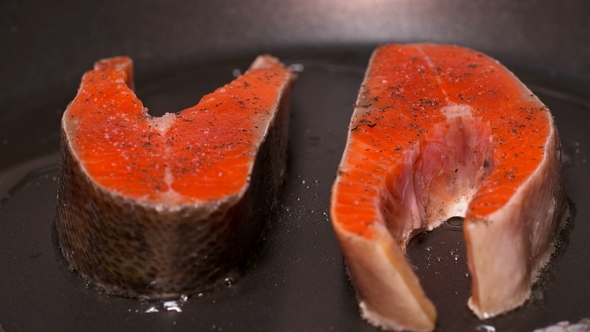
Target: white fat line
(456, 110)
(431, 65)
(163, 124)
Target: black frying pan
(184, 49)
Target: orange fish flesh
(157, 207)
(441, 131)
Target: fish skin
(441, 131)
(523, 233)
(160, 245)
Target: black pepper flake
(510, 175)
(367, 105)
(367, 122)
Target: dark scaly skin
(124, 246)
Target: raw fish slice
(441, 131)
(158, 207)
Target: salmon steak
(440, 131)
(159, 207)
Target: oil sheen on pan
(157, 207)
(441, 131)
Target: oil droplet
(485, 328)
(297, 67)
(172, 306)
(582, 326)
(228, 281)
(236, 72)
(152, 310)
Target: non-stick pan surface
(298, 280)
